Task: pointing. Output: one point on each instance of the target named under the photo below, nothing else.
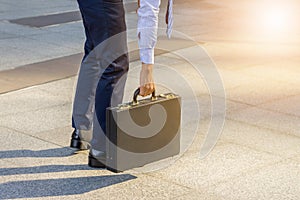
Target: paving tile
(284, 70)
(196, 55)
(26, 150)
(206, 127)
(262, 91)
(39, 73)
(6, 6)
(13, 140)
(233, 79)
(14, 12)
(35, 45)
(243, 165)
(40, 120)
(54, 172)
(297, 158)
(192, 31)
(14, 57)
(52, 69)
(4, 35)
(72, 40)
(58, 136)
(131, 23)
(46, 50)
(61, 186)
(236, 56)
(35, 12)
(197, 195)
(199, 71)
(63, 88)
(143, 187)
(289, 105)
(25, 9)
(48, 20)
(42, 3)
(224, 163)
(196, 146)
(55, 163)
(261, 139)
(29, 99)
(5, 166)
(7, 86)
(29, 167)
(182, 79)
(18, 30)
(22, 51)
(219, 106)
(285, 123)
(277, 181)
(74, 28)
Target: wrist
(147, 67)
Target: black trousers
(104, 64)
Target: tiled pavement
(256, 157)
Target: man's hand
(146, 80)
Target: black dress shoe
(97, 162)
(76, 141)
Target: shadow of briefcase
(141, 132)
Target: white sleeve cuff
(147, 56)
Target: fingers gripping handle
(137, 92)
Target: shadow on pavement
(43, 169)
(48, 153)
(58, 187)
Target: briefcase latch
(167, 96)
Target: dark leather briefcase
(141, 132)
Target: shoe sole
(93, 162)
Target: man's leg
(84, 100)
(110, 92)
(114, 59)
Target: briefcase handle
(137, 92)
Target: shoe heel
(75, 143)
(93, 162)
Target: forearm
(147, 29)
